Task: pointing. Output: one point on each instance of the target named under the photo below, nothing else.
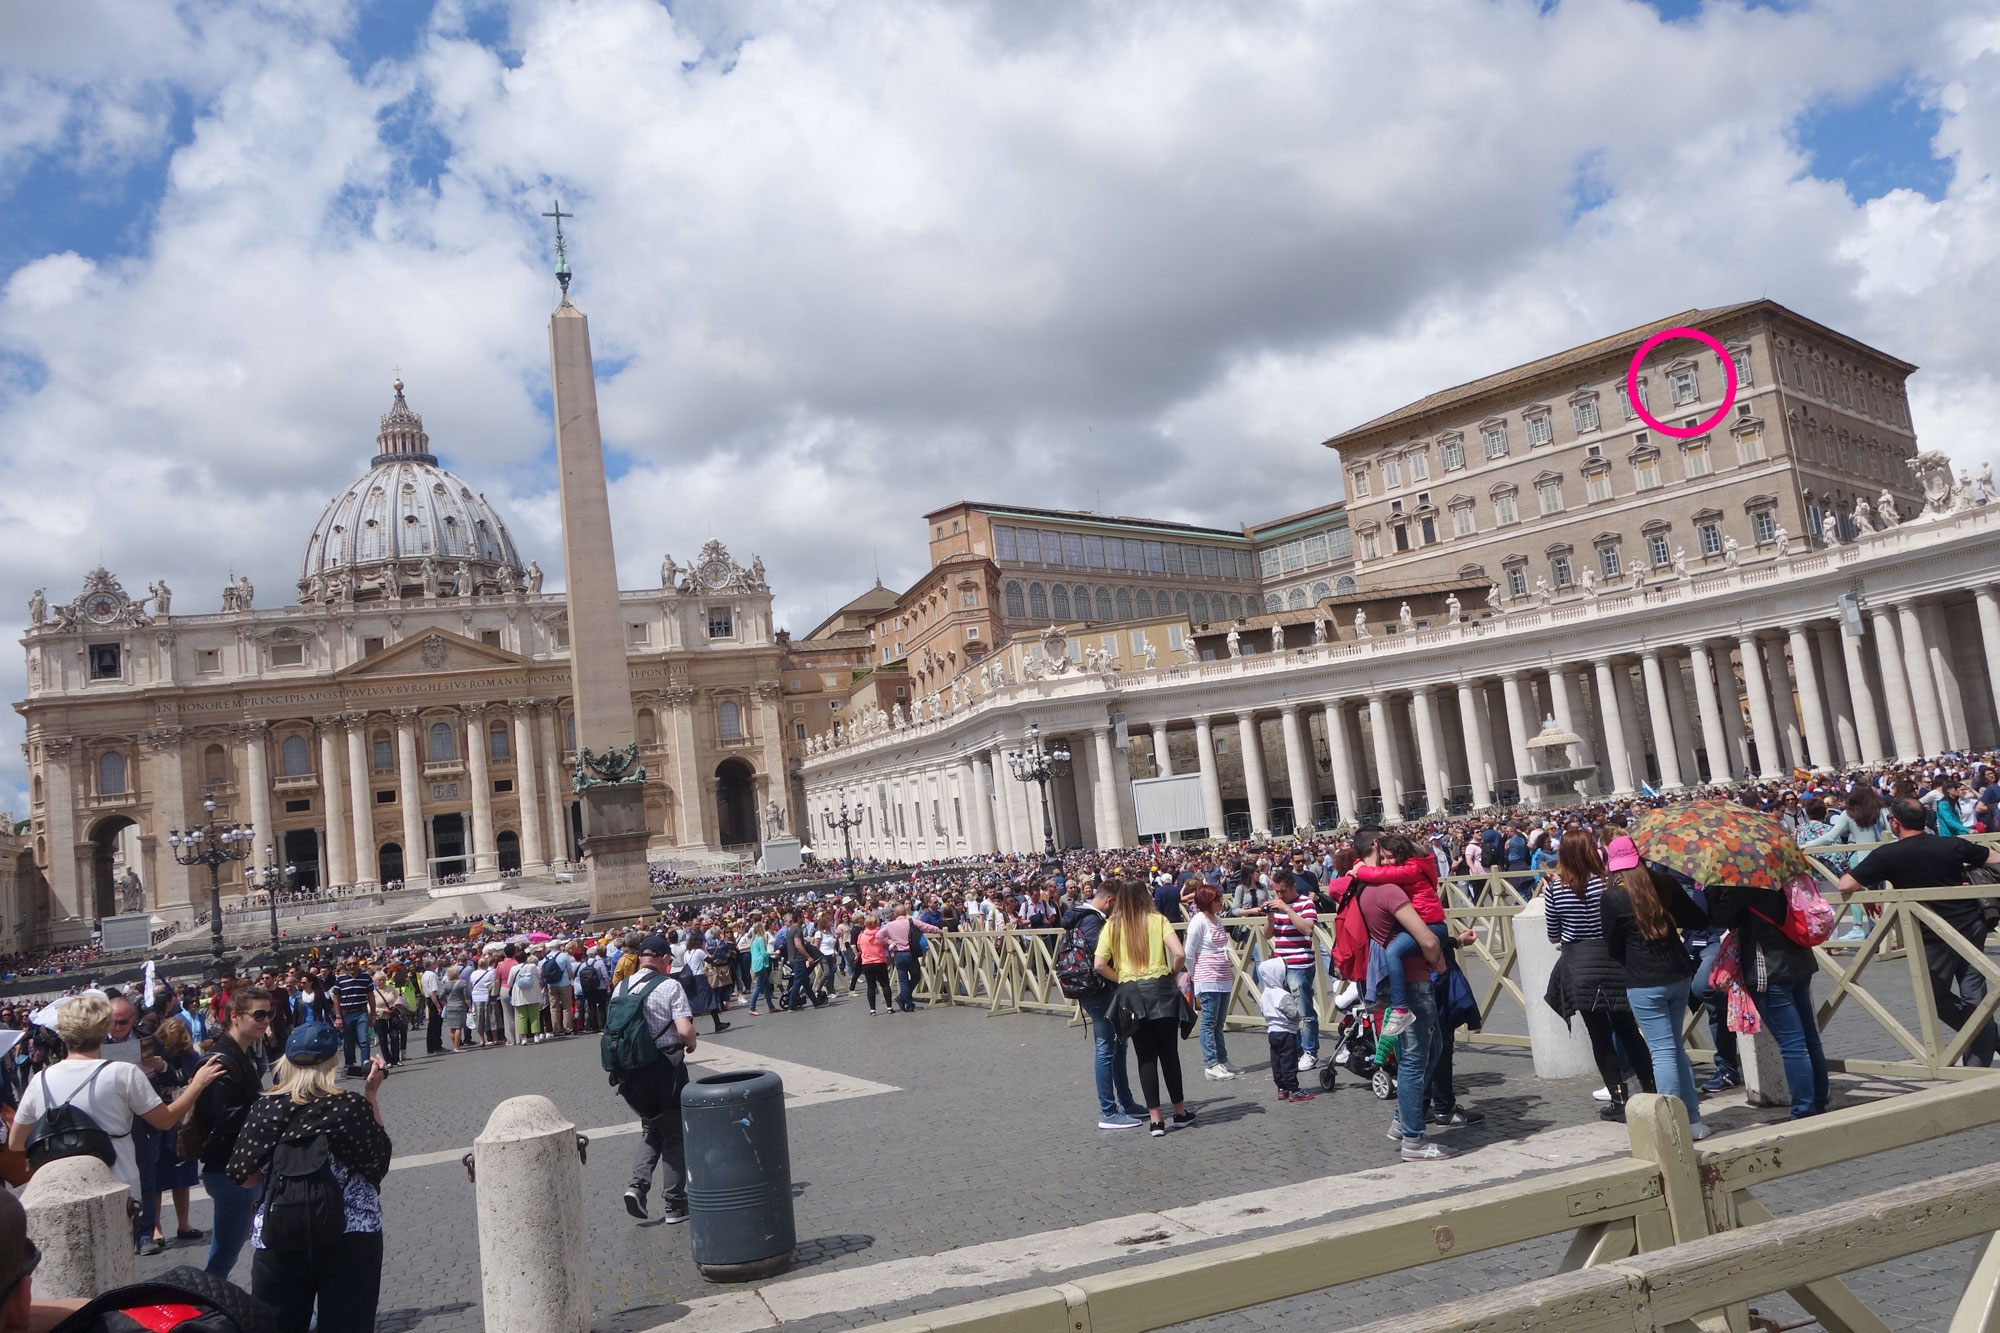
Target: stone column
(1483, 715)
(1944, 676)
(410, 777)
(1630, 729)
(1784, 708)
(1211, 781)
(1614, 730)
(65, 883)
(527, 785)
(1299, 768)
(1988, 603)
(1471, 709)
(1895, 685)
(1763, 726)
(1819, 738)
(1565, 715)
(555, 782)
(1385, 759)
(338, 868)
(1838, 661)
(1163, 759)
(1430, 752)
(980, 774)
(257, 777)
(1520, 730)
(171, 882)
(361, 798)
(1680, 717)
(1714, 735)
(1663, 723)
(1104, 760)
(691, 785)
(1732, 714)
(1931, 733)
(1251, 737)
(1347, 790)
(1003, 809)
(478, 766)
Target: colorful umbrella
(1719, 842)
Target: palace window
(1003, 543)
(729, 721)
(1428, 527)
(1504, 509)
(1315, 548)
(1339, 544)
(720, 623)
(1370, 549)
(1292, 556)
(1764, 525)
(1551, 496)
(1683, 386)
(1541, 430)
(1463, 521)
(1559, 570)
(1420, 466)
(1656, 550)
(1267, 560)
(294, 758)
(1452, 452)
(1124, 604)
(1646, 472)
(111, 774)
(1741, 356)
(496, 741)
(1357, 487)
(1495, 440)
(1296, 599)
(1103, 600)
(1598, 485)
(443, 745)
(1392, 473)
(1142, 603)
(1198, 609)
(1059, 603)
(1017, 606)
(1607, 560)
(385, 754)
(1709, 536)
(1517, 580)
(1584, 416)
(1697, 459)
(1401, 532)
(1038, 601)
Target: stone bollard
(79, 1218)
(1763, 1069)
(1560, 1051)
(534, 1268)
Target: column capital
(160, 740)
(406, 717)
(1289, 708)
(353, 721)
(1650, 653)
(521, 707)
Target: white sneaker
(1397, 1022)
(1218, 1072)
(1349, 994)
(1601, 1095)
(1699, 1131)
(1308, 1062)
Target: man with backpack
(593, 984)
(558, 973)
(648, 1035)
(1076, 973)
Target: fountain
(1556, 781)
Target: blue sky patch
(1878, 144)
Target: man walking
(351, 993)
(430, 986)
(647, 1039)
(901, 937)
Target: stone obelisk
(608, 781)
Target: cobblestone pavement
(990, 1136)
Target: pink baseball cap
(1621, 854)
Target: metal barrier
(1669, 1192)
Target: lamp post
(1038, 765)
(209, 846)
(846, 823)
(273, 879)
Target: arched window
(1103, 603)
(1273, 602)
(1082, 596)
(1344, 585)
(496, 741)
(1124, 603)
(730, 719)
(111, 774)
(1059, 602)
(444, 748)
(1038, 601)
(569, 729)
(1180, 603)
(215, 766)
(1017, 607)
(38, 789)
(1199, 610)
(294, 758)
(1321, 592)
(1296, 599)
(1235, 606)
(1142, 603)
(649, 727)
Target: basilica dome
(407, 528)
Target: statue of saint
(1277, 638)
(1234, 642)
(464, 578)
(1829, 529)
(1681, 565)
(1864, 520)
(1589, 584)
(1784, 540)
(534, 579)
(1360, 623)
(38, 607)
(245, 593)
(1319, 631)
(430, 576)
(1451, 607)
(774, 821)
(670, 573)
(1885, 506)
(1152, 656)
(1729, 553)
(131, 893)
(1405, 619)
(163, 597)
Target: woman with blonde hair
(1138, 949)
(307, 1120)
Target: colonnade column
(1430, 753)
(1348, 795)
(1620, 756)
(361, 798)
(171, 881)
(1251, 738)
(1838, 661)
(1386, 768)
(1471, 710)
(527, 785)
(980, 771)
(1664, 745)
(1889, 657)
(1923, 688)
(1163, 761)
(338, 868)
(1298, 766)
(257, 776)
(1110, 819)
(1763, 726)
(1519, 731)
(1989, 638)
(1784, 709)
(1819, 737)
(1211, 783)
(410, 779)
(1714, 735)
(479, 772)
(1565, 714)
(996, 761)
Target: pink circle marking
(1639, 403)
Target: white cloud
(853, 262)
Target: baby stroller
(816, 992)
(1354, 1045)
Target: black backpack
(588, 978)
(552, 973)
(70, 1131)
(303, 1204)
(217, 1305)
(1076, 965)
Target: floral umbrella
(1719, 842)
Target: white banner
(1169, 805)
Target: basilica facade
(407, 720)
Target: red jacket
(1417, 877)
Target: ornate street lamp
(273, 879)
(1038, 765)
(846, 823)
(210, 846)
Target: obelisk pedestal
(609, 783)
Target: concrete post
(78, 1219)
(533, 1279)
(1561, 1051)
(1763, 1069)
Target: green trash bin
(739, 1166)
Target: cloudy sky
(846, 262)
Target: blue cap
(312, 1043)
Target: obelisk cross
(562, 254)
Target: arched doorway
(510, 850)
(106, 837)
(735, 803)
(389, 860)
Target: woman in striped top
(1587, 981)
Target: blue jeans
(1414, 1059)
(1397, 950)
(354, 1033)
(1114, 1088)
(146, 1152)
(1788, 1012)
(763, 988)
(1300, 982)
(1658, 1010)
(1716, 1002)
(229, 1228)
(907, 966)
(1214, 1005)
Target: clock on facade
(101, 608)
(715, 573)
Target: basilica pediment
(432, 652)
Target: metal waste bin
(739, 1167)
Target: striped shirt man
(1291, 935)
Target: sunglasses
(261, 1015)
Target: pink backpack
(1809, 918)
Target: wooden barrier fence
(1670, 1192)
